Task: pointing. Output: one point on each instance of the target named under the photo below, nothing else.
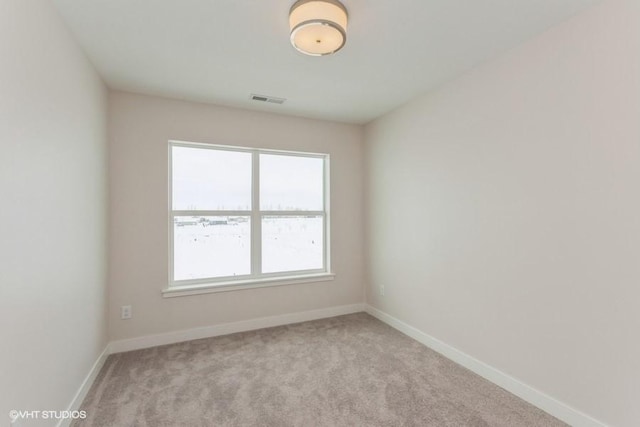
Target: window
(242, 216)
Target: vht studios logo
(47, 415)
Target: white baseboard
(230, 328)
(537, 398)
(86, 385)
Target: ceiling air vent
(265, 98)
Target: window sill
(236, 285)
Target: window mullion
(256, 220)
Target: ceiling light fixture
(318, 27)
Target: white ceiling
(220, 51)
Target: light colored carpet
(345, 371)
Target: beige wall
(53, 215)
(505, 213)
(140, 128)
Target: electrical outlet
(125, 312)
(381, 290)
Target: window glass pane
(210, 179)
(292, 243)
(211, 246)
(291, 183)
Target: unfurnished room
(331, 213)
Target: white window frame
(256, 278)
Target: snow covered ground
(207, 247)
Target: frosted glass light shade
(318, 27)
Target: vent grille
(265, 98)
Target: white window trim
(252, 280)
(235, 285)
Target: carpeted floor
(345, 371)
